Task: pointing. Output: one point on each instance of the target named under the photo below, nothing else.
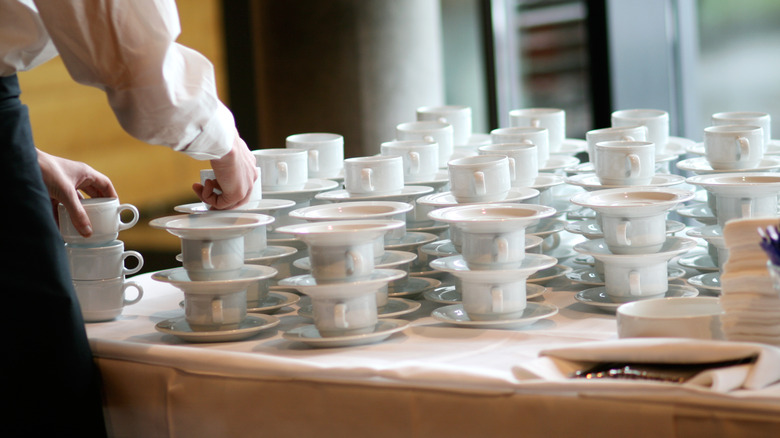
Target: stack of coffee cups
(97, 263)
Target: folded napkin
(750, 301)
(753, 281)
(559, 364)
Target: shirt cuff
(216, 138)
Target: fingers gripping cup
(105, 215)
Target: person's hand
(235, 175)
(64, 178)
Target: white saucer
(545, 227)
(445, 248)
(589, 276)
(451, 294)
(456, 315)
(224, 225)
(390, 259)
(708, 281)
(309, 335)
(262, 205)
(432, 229)
(310, 189)
(580, 213)
(590, 181)
(457, 266)
(406, 194)
(678, 145)
(360, 210)
(411, 241)
(394, 307)
(446, 199)
(597, 296)
(558, 162)
(699, 212)
(571, 146)
(307, 284)
(700, 262)
(591, 229)
(545, 275)
(701, 166)
(773, 148)
(250, 326)
(441, 179)
(274, 301)
(546, 180)
(414, 286)
(270, 254)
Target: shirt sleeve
(161, 92)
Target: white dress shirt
(161, 92)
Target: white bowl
(697, 318)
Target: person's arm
(64, 178)
(161, 92)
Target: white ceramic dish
(210, 226)
(591, 182)
(309, 190)
(738, 183)
(407, 194)
(275, 301)
(591, 229)
(558, 162)
(455, 314)
(446, 199)
(589, 276)
(571, 146)
(481, 218)
(248, 274)
(597, 296)
(456, 265)
(307, 284)
(411, 241)
(309, 335)
(772, 148)
(709, 281)
(250, 326)
(341, 232)
(395, 307)
(390, 259)
(678, 145)
(413, 287)
(700, 262)
(546, 275)
(701, 166)
(698, 212)
(354, 210)
(451, 294)
(260, 206)
(671, 248)
(694, 317)
(546, 180)
(545, 227)
(270, 254)
(633, 201)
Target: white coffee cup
(481, 178)
(282, 169)
(525, 135)
(634, 235)
(105, 217)
(751, 118)
(553, 119)
(656, 121)
(348, 262)
(635, 279)
(101, 262)
(432, 132)
(257, 188)
(625, 163)
(747, 205)
(420, 158)
(350, 315)
(493, 251)
(325, 151)
(459, 116)
(734, 147)
(207, 260)
(215, 311)
(376, 175)
(503, 299)
(103, 300)
(615, 133)
(523, 161)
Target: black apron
(50, 382)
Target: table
(431, 380)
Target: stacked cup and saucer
(392, 301)
(97, 263)
(344, 283)
(214, 277)
(635, 250)
(493, 267)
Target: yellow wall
(75, 121)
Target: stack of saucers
(344, 282)
(493, 266)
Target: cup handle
(355, 263)
(131, 222)
(512, 169)
(414, 161)
(743, 152)
(365, 179)
(139, 295)
(628, 138)
(284, 173)
(479, 183)
(633, 164)
(497, 297)
(528, 142)
(314, 160)
(623, 229)
(746, 205)
(340, 316)
(442, 120)
(501, 249)
(429, 139)
(217, 315)
(139, 258)
(205, 256)
(536, 123)
(634, 287)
